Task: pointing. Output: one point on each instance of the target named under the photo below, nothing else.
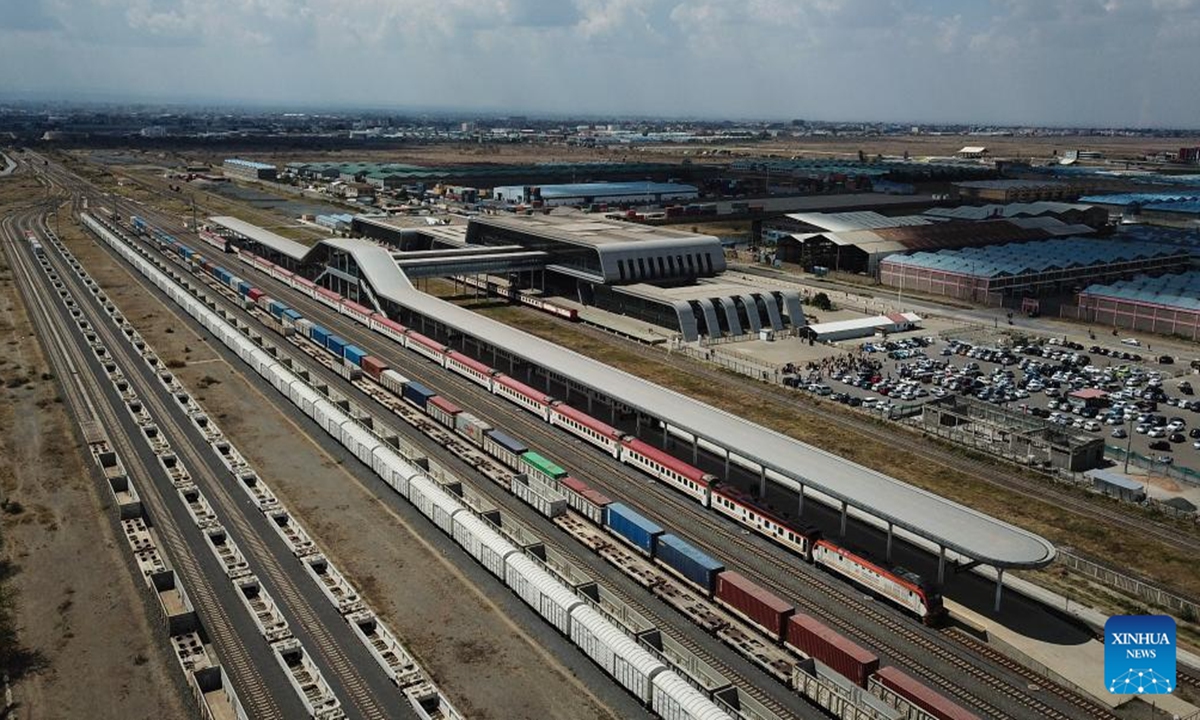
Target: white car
(1091, 426)
(1196, 444)
(1157, 432)
(1120, 433)
(1132, 341)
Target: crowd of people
(837, 365)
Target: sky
(1089, 63)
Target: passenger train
(896, 585)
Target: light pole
(1128, 444)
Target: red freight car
(759, 606)
(915, 693)
(811, 637)
(442, 410)
(373, 367)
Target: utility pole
(1128, 445)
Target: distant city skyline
(1064, 63)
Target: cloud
(1004, 61)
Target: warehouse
(612, 193)
(860, 251)
(248, 169)
(1070, 213)
(1010, 191)
(1168, 305)
(1116, 485)
(986, 275)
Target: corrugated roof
(1031, 257)
(862, 220)
(1147, 198)
(1010, 210)
(1180, 290)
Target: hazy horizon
(1067, 63)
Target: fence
(1129, 585)
(1170, 470)
(743, 366)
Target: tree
(821, 301)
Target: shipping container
(354, 354)
(688, 562)
(349, 370)
(814, 639)
(628, 525)
(471, 427)
(535, 464)
(434, 502)
(254, 294)
(302, 325)
(244, 288)
(585, 500)
(393, 382)
(417, 394)
(319, 335)
(276, 308)
(914, 693)
(373, 367)
(504, 447)
(442, 410)
(759, 606)
(335, 344)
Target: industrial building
(248, 169)
(491, 175)
(1034, 268)
(860, 251)
(611, 193)
(1070, 213)
(1010, 191)
(1118, 485)
(1168, 305)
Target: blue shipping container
(318, 334)
(354, 354)
(626, 523)
(277, 308)
(688, 561)
(244, 287)
(417, 394)
(291, 314)
(233, 282)
(509, 443)
(335, 344)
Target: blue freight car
(417, 394)
(691, 564)
(632, 527)
(244, 288)
(335, 344)
(504, 446)
(319, 335)
(354, 354)
(290, 315)
(277, 309)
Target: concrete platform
(1077, 666)
(622, 325)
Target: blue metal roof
(1030, 257)
(1141, 198)
(1179, 291)
(1187, 207)
(603, 189)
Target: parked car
(1120, 433)
(1131, 341)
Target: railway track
(597, 470)
(894, 436)
(190, 451)
(80, 386)
(511, 504)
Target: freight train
(773, 616)
(896, 585)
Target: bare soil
(487, 665)
(77, 602)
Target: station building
(662, 275)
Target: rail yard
(612, 548)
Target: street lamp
(1128, 444)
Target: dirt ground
(77, 602)
(473, 650)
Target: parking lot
(1146, 403)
